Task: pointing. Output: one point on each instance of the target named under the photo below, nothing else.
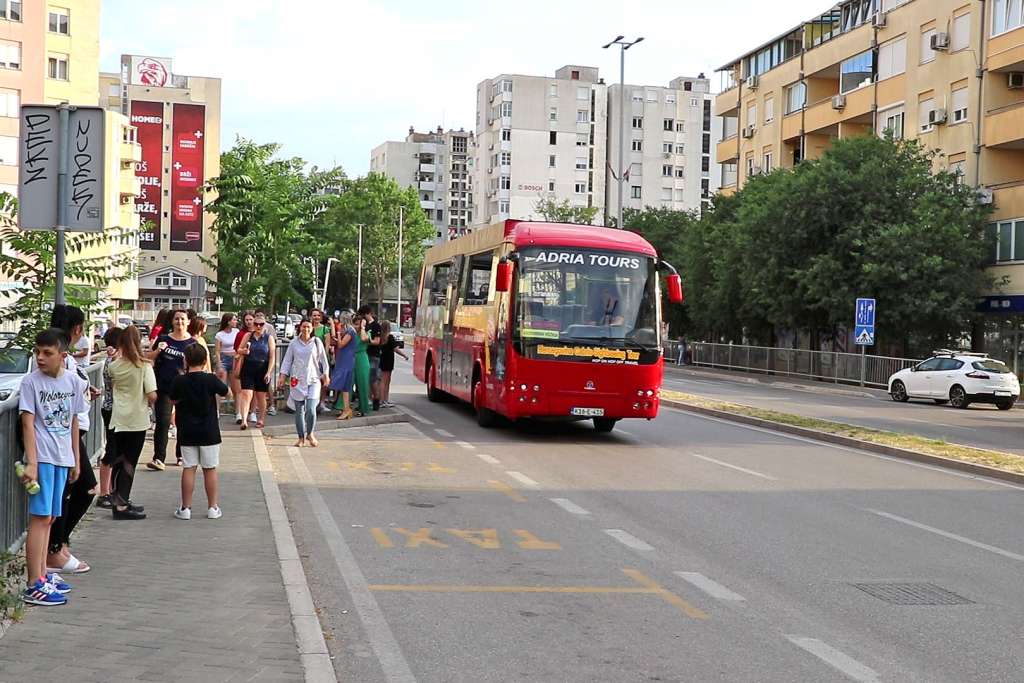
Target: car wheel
(941, 401)
(899, 392)
(1005, 405)
(958, 397)
(604, 424)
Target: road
(683, 549)
(980, 425)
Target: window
(652, 95)
(552, 90)
(766, 165)
(680, 194)
(680, 149)
(440, 214)
(667, 124)
(857, 71)
(666, 170)
(1009, 240)
(750, 165)
(59, 20)
(892, 120)
(635, 170)
(729, 126)
(638, 96)
(680, 127)
(8, 150)
(1006, 15)
(857, 12)
(670, 97)
(924, 108)
(583, 93)
(958, 169)
(575, 75)
(437, 295)
(634, 192)
(582, 140)
(503, 206)
(796, 96)
(961, 34)
(638, 145)
(506, 158)
(752, 115)
(638, 122)
(57, 67)
(581, 164)
(666, 147)
(892, 58)
(551, 186)
(506, 109)
(693, 102)
(581, 188)
(666, 194)
(506, 134)
(582, 116)
(552, 113)
(958, 104)
(927, 53)
(769, 109)
(552, 160)
(478, 279)
(10, 54)
(10, 10)
(505, 182)
(680, 172)
(10, 103)
(553, 138)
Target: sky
(331, 79)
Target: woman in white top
(224, 343)
(305, 369)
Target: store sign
(187, 176)
(153, 72)
(148, 118)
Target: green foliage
(29, 263)
(265, 208)
(12, 578)
(373, 202)
(554, 211)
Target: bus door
(448, 334)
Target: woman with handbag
(305, 370)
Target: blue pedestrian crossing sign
(864, 323)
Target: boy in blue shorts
(51, 399)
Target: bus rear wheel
(434, 394)
(485, 417)
(604, 424)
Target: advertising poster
(148, 118)
(187, 177)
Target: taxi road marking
(487, 539)
(507, 490)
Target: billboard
(188, 133)
(148, 118)
(152, 72)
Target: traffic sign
(864, 323)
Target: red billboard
(148, 118)
(188, 132)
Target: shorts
(206, 457)
(227, 363)
(52, 481)
(253, 377)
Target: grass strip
(979, 456)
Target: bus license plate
(587, 412)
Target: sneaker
(58, 583)
(271, 410)
(172, 432)
(238, 418)
(104, 502)
(157, 465)
(253, 418)
(183, 513)
(128, 513)
(41, 593)
(137, 508)
(214, 513)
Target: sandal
(259, 424)
(345, 415)
(72, 566)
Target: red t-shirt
(238, 339)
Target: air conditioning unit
(940, 41)
(748, 132)
(1015, 80)
(937, 117)
(878, 21)
(985, 195)
(666, 155)
(838, 102)
(752, 82)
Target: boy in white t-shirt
(51, 398)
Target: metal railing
(13, 499)
(828, 366)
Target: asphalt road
(683, 549)
(979, 425)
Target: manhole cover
(912, 594)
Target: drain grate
(912, 594)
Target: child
(388, 349)
(51, 399)
(195, 399)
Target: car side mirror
(675, 288)
(504, 276)
(913, 368)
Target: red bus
(544, 320)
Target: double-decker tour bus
(544, 320)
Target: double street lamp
(623, 46)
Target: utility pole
(401, 226)
(359, 271)
(64, 135)
(623, 46)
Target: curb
(812, 389)
(325, 426)
(836, 439)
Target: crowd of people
(175, 386)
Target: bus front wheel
(604, 424)
(485, 417)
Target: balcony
(791, 126)
(1004, 128)
(129, 184)
(823, 117)
(727, 103)
(428, 185)
(428, 168)
(1006, 51)
(130, 151)
(727, 150)
(426, 203)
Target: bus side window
(478, 279)
(439, 284)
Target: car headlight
(5, 394)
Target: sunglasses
(260, 324)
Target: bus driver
(607, 308)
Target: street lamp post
(359, 271)
(327, 279)
(623, 46)
(401, 222)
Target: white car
(959, 379)
(14, 365)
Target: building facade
(949, 73)
(178, 122)
(668, 153)
(540, 137)
(438, 165)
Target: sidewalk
(168, 600)
(780, 381)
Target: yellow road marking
(382, 538)
(414, 539)
(360, 465)
(331, 465)
(440, 588)
(440, 469)
(507, 490)
(665, 594)
(407, 466)
(530, 542)
(481, 538)
(438, 444)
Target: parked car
(143, 328)
(957, 378)
(284, 326)
(14, 365)
(396, 332)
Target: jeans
(305, 417)
(109, 450)
(77, 499)
(163, 409)
(128, 448)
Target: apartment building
(540, 137)
(947, 72)
(438, 164)
(178, 126)
(668, 153)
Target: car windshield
(991, 365)
(13, 361)
(587, 296)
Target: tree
(265, 208)
(29, 263)
(373, 202)
(563, 212)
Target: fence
(829, 366)
(13, 499)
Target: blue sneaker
(58, 583)
(43, 594)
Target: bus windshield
(592, 297)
